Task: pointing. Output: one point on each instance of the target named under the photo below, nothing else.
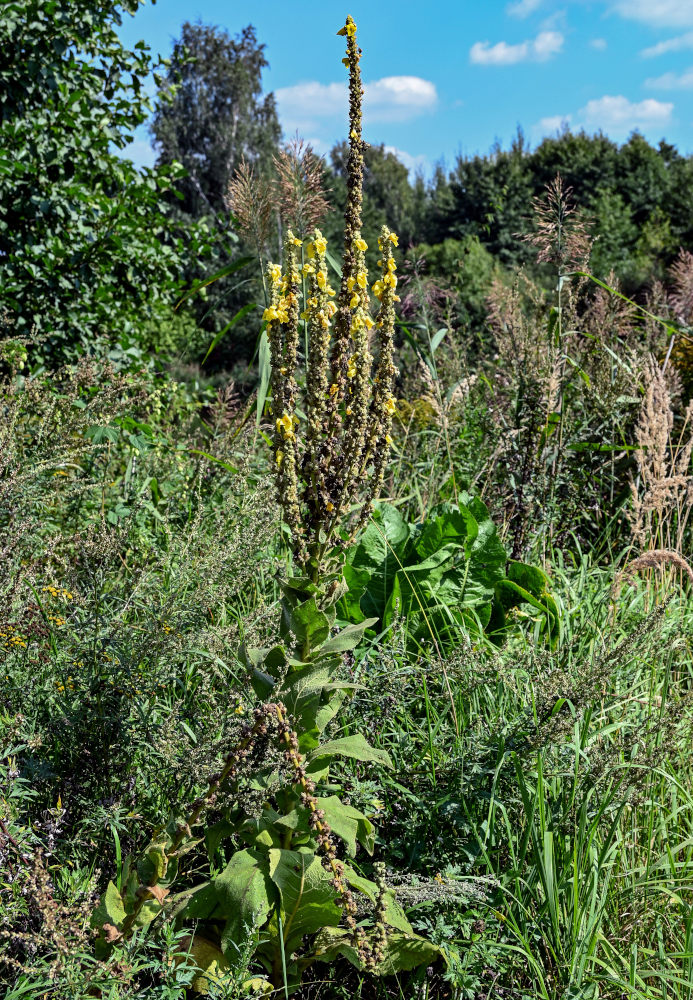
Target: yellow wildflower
(320, 244)
(390, 405)
(334, 389)
(329, 506)
(394, 238)
(322, 279)
(361, 279)
(296, 242)
(360, 244)
(353, 301)
(280, 456)
(270, 314)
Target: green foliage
(446, 576)
(85, 248)
(215, 116)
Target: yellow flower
(378, 289)
(285, 426)
(353, 301)
(349, 411)
(322, 279)
(280, 456)
(351, 370)
(270, 314)
(388, 439)
(390, 405)
(361, 279)
(360, 244)
(350, 283)
(329, 506)
(394, 238)
(308, 269)
(368, 322)
(296, 242)
(334, 388)
(345, 61)
(320, 244)
(275, 273)
(390, 279)
(353, 134)
(348, 29)
(392, 264)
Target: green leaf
(231, 323)
(357, 747)
(110, 909)
(347, 638)
(307, 898)
(246, 895)
(222, 273)
(265, 370)
(349, 824)
(307, 622)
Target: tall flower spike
(320, 308)
(282, 317)
(341, 351)
(383, 405)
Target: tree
(83, 245)
(216, 116)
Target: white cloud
(598, 43)
(672, 81)
(523, 8)
(660, 13)
(399, 96)
(670, 45)
(393, 98)
(617, 116)
(553, 124)
(412, 163)
(621, 115)
(140, 152)
(539, 49)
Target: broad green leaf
(307, 622)
(110, 909)
(357, 747)
(246, 895)
(349, 824)
(347, 638)
(307, 898)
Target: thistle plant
(285, 877)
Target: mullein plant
(284, 877)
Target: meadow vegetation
(367, 673)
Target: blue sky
(453, 76)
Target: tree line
(95, 250)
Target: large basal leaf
(307, 898)
(372, 564)
(246, 894)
